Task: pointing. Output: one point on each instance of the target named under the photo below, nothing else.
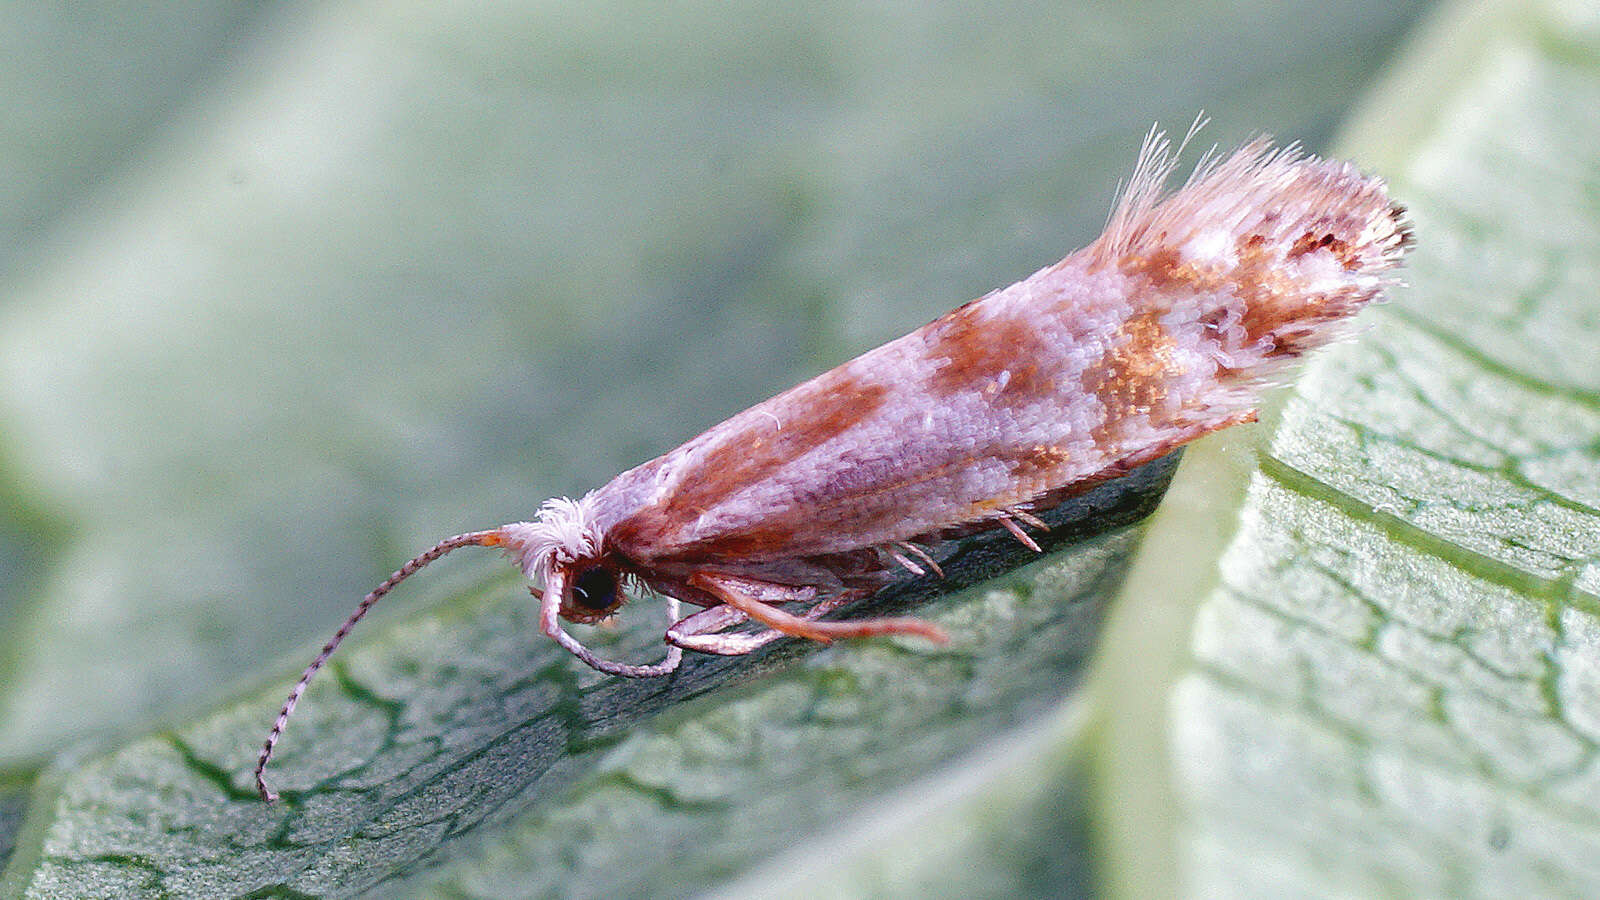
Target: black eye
(595, 590)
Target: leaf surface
(294, 290)
(1390, 684)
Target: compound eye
(594, 594)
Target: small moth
(1166, 328)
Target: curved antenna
(470, 539)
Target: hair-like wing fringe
(1277, 193)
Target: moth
(1165, 328)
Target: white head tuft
(563, 533)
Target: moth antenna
(470, 539)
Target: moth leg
(905, 563)
(741, 594)
(699, 631)
(550, 624)
(1029, 519)
(1017, 532)
(921, 554)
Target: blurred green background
(292, 290)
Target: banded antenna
(470, 539)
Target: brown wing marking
(813, 413)
(1130, 379)
(1036, 469)
(997, 355)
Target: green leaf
(454, 737)
(295, 290)
(1391, 681)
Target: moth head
(563, 548)
(590, 590)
